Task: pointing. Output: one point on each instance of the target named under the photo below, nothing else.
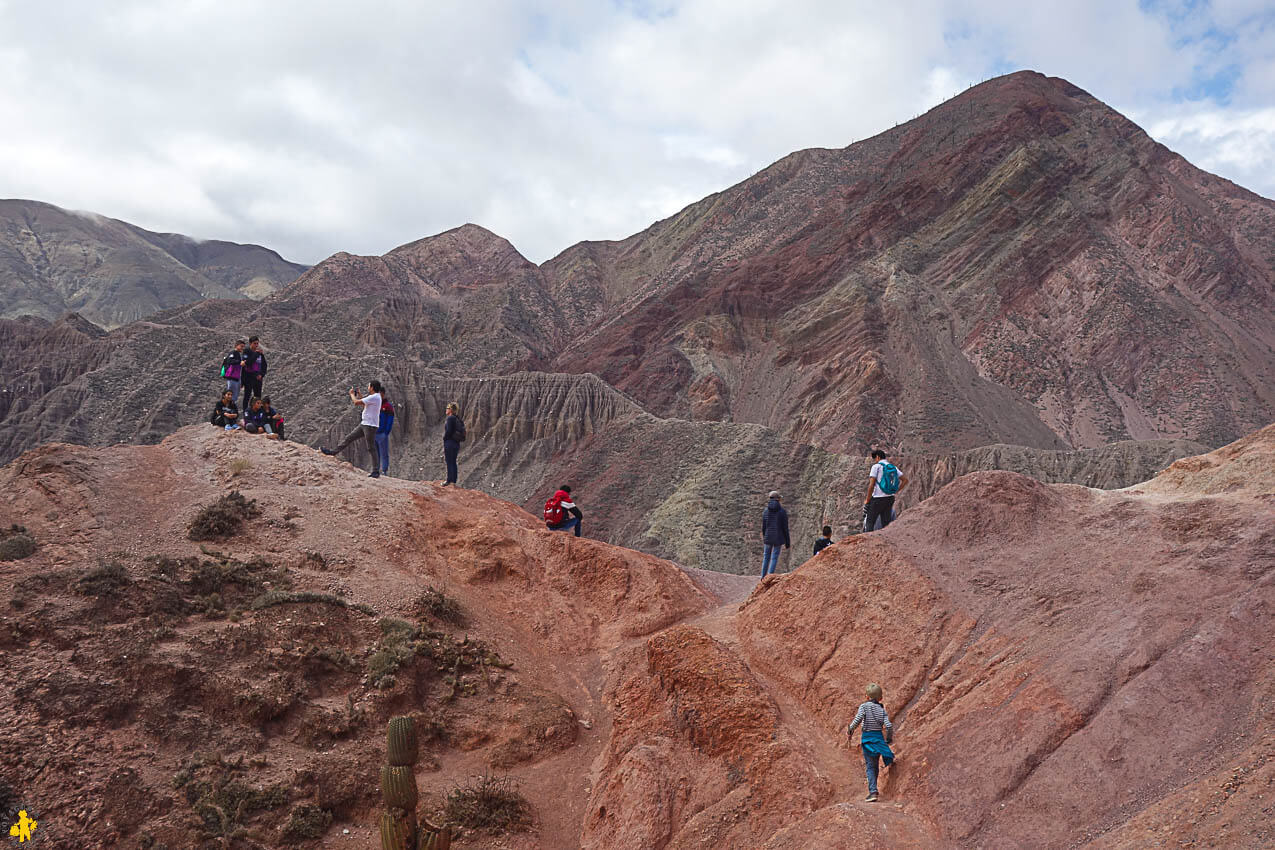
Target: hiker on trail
(453, 436)
(254, 370)
(256, 421)
(774, 533)
(825, 541)
(560, 504)
(876, 736)
(383, 434)
(371, 404)
(878, 521)
(274, 419)
(883, 482)
(232, 370)
(226, 413)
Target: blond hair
(875, 692)
(453, 407)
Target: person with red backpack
(557, 508)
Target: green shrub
(307, 822)
(16, 544)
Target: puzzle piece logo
(23, 828)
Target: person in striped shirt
(875, 738)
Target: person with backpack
(875, 739)
(273, 418)
(383, 434)
(556, 509)
(226, 413)
(370, 422)
(774, 533)
(884, 481)
(453, 436)
(825, 541)
(232, 370)
(254, 370)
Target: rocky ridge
(639, 704)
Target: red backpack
(554, 514)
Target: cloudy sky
(314, 127)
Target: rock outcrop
(53, 261)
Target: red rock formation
(1064, 666)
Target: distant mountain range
(1021, 265)
(54, 261)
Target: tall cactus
(399, 828)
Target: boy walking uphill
(876, 736)
(371, 420)
(883, 482)
(774, 533)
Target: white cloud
(313, 128)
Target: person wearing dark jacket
(232, 370)
(383, 434)
(825, 541)
(254, 370)
(226, 413)
(453, 436)
(257, 420)
(274, 419)
(774, 533)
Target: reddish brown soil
(1062, 664)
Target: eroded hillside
(1047, 652)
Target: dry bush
(434, 603)
(106, 579)
(489, 803)
(223, 517)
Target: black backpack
(460, 430)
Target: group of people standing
(244, 368)
(885, 481)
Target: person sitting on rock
(883, 482)
(825, 541)
(257, 422)
(226, 412)
(274, 419)
(875, 739)
(557, 509)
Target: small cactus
(401, 746)
(398, 829)
(398, 787)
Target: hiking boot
(328, 452)
(872, 798)
(374, 474)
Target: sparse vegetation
(284, 597)
(401, 641)
(306, 822)
(240, 465)
(16, 543)
(489, 803)
(108, 578)
(438, 605)
(223, 517)
(223, 802)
